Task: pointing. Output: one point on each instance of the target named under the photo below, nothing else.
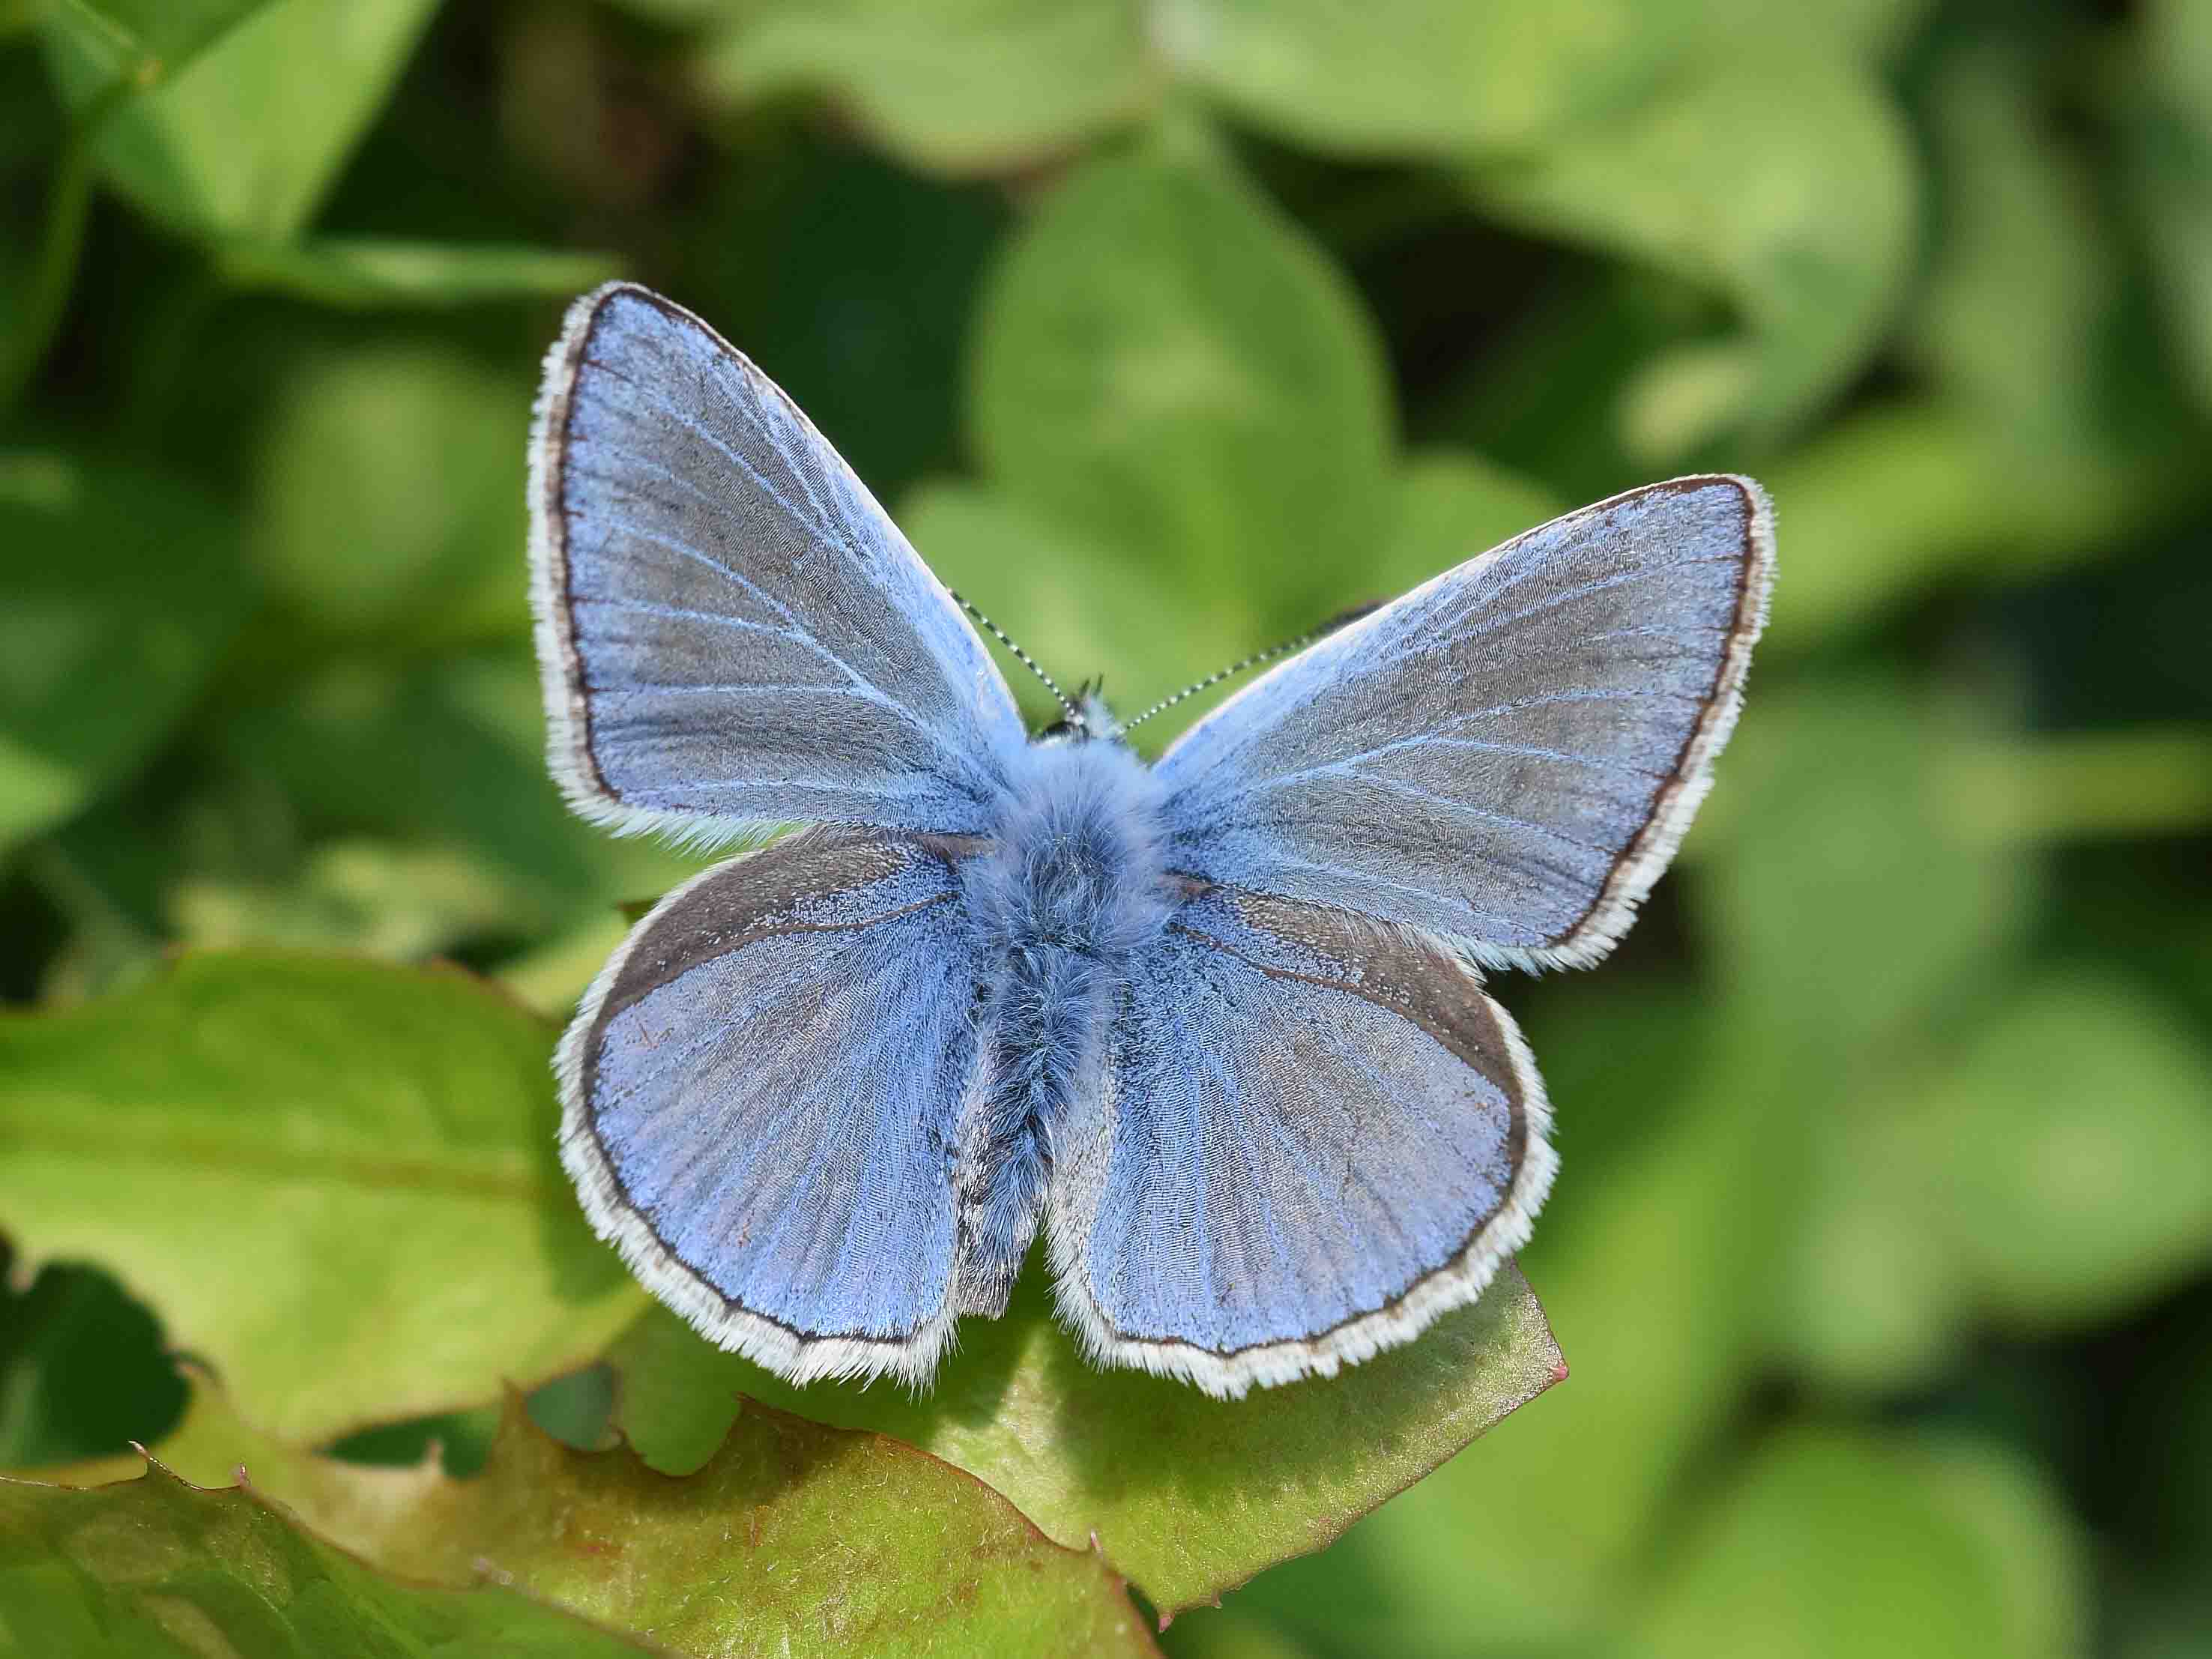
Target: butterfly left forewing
(1316, 1135)
(733, 634)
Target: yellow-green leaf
(243, 138)
(336, 1181)
(793, 1538)
(153, 1568)
(1188, 1495)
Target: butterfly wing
(1316, 1134)
(1508, 755)
(733, 632)
(759, 1096)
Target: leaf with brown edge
(793, 1538)
(1188, 1495)
(155, 1568)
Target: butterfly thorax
(1072, 888)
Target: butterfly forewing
(1507, 756)
(732, 632)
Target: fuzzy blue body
(1059, 910)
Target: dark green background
(1880, 1247)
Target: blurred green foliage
(1880, 1249)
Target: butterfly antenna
(1343, 619)
(1074, 715)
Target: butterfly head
(1089, 718)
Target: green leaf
(1167, 366)
(1898, 497)
(1781, 181)
(1435, 77)
(123, 590)
(2090, 785)
(1836, 827)
(2015, 310)
(959, 85)
(792, 1538)
(2065, 1157)
(1079, 608)
(155, 1569)
(1189, 1496)
(2055, 1167)
(1453, 504)
(367, 273)
(334, 1180)
(1844, 1542)
(149, 39)
(389, 493)
(244, 139)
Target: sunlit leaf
(1782, 181)
(793, 1538)
(1167, 366)
(1188, 1495)
(335, 1181)
(123, 588)
(958, 84)
(360, 273)
(152, 1568)
(244, 139)
(1844, 1542)
(148, 39)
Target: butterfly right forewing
(1507, 756)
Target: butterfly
(1215, 1026)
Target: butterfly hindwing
(1507, 756)
(1314, 1135)
(732, 632)
(761, 1096)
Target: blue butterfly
(1217, 1024)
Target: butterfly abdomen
(1070, 892)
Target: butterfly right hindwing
(1314, 1135)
